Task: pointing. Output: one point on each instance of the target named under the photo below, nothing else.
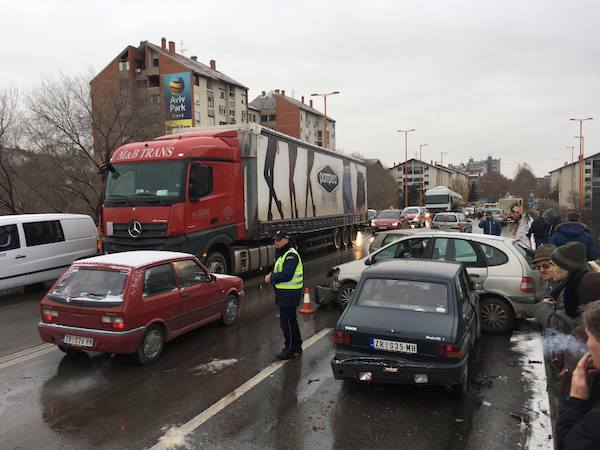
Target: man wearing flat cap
(287, 278)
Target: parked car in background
(416, 216)
(35, 248)
(408, 322)
(385, 237)
(497, 214)
(389, 219)
(133, 302)
(469, 212)
(504, 266)
(451, 221)
(371, 214)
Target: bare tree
(78, 132)
(9, 199)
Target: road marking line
(176, 435)
(25, 355)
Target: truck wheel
(151, 346)
(346, 237)
(337, 239)
(353, 234)
(497, 316)
(216, 263)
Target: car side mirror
(210, 277)
(476, 285)
(370, 260)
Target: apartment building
(477, 169)
(433, 175)
(565, 181)
(294, 117)
(170, 89)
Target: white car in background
(502, 266)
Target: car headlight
(372, 223)
(394, 224)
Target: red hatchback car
(389, 219)
(133, 302)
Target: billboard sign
(177, 92)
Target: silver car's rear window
(91, 286)
(409, 295)
(445, 218)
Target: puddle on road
(213, 366)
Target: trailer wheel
(353, 234)
(346, 237)
(337, 238)
(216, 263)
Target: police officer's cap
(281, 234)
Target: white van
(39, 247)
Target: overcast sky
(475, 78)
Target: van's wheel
(230, 310)
(345, 293)
(353, 234)
(346, 237)
(151, 346)
(337, 239)
(497, 316)
(216, 262)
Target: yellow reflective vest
(297, 281)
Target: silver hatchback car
(451, 221)
(502, 266)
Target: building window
(123, 66)
(209, 84)
(197, 99)
(197, 80)
(153, 81)
(232, 113)
(222, 110)
(155, 99)
(211, 102)
(197, 115)
(222, 123)
(243, 115)
(211, 120)
(141, 84)
(221, 93)
(232, 94)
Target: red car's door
(199, 290)
(161, 299)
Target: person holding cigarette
(577, 426)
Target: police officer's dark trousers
(289, 325)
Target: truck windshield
(437, 199)
(159, 183)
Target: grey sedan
(450, 221)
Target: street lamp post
(422, 174)
(325, 95)
(572, 147)
(406, 164)
(581, 192)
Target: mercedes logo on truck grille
(134, 229)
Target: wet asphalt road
(54, 401)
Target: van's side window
(189, 273)
(158, 279)
(40, 233)
(9, 237)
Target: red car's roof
(134, 259)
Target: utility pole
(422, 191)
(581, 172)
(442, 157)
(325, 95)
(405, 164)
(572, 147)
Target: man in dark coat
(540, 229)
(575, 231)
(287, 278)
(577, 426)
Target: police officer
(288, 280)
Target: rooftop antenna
(293, 93)
(181, 49)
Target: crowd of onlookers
(565, 256)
